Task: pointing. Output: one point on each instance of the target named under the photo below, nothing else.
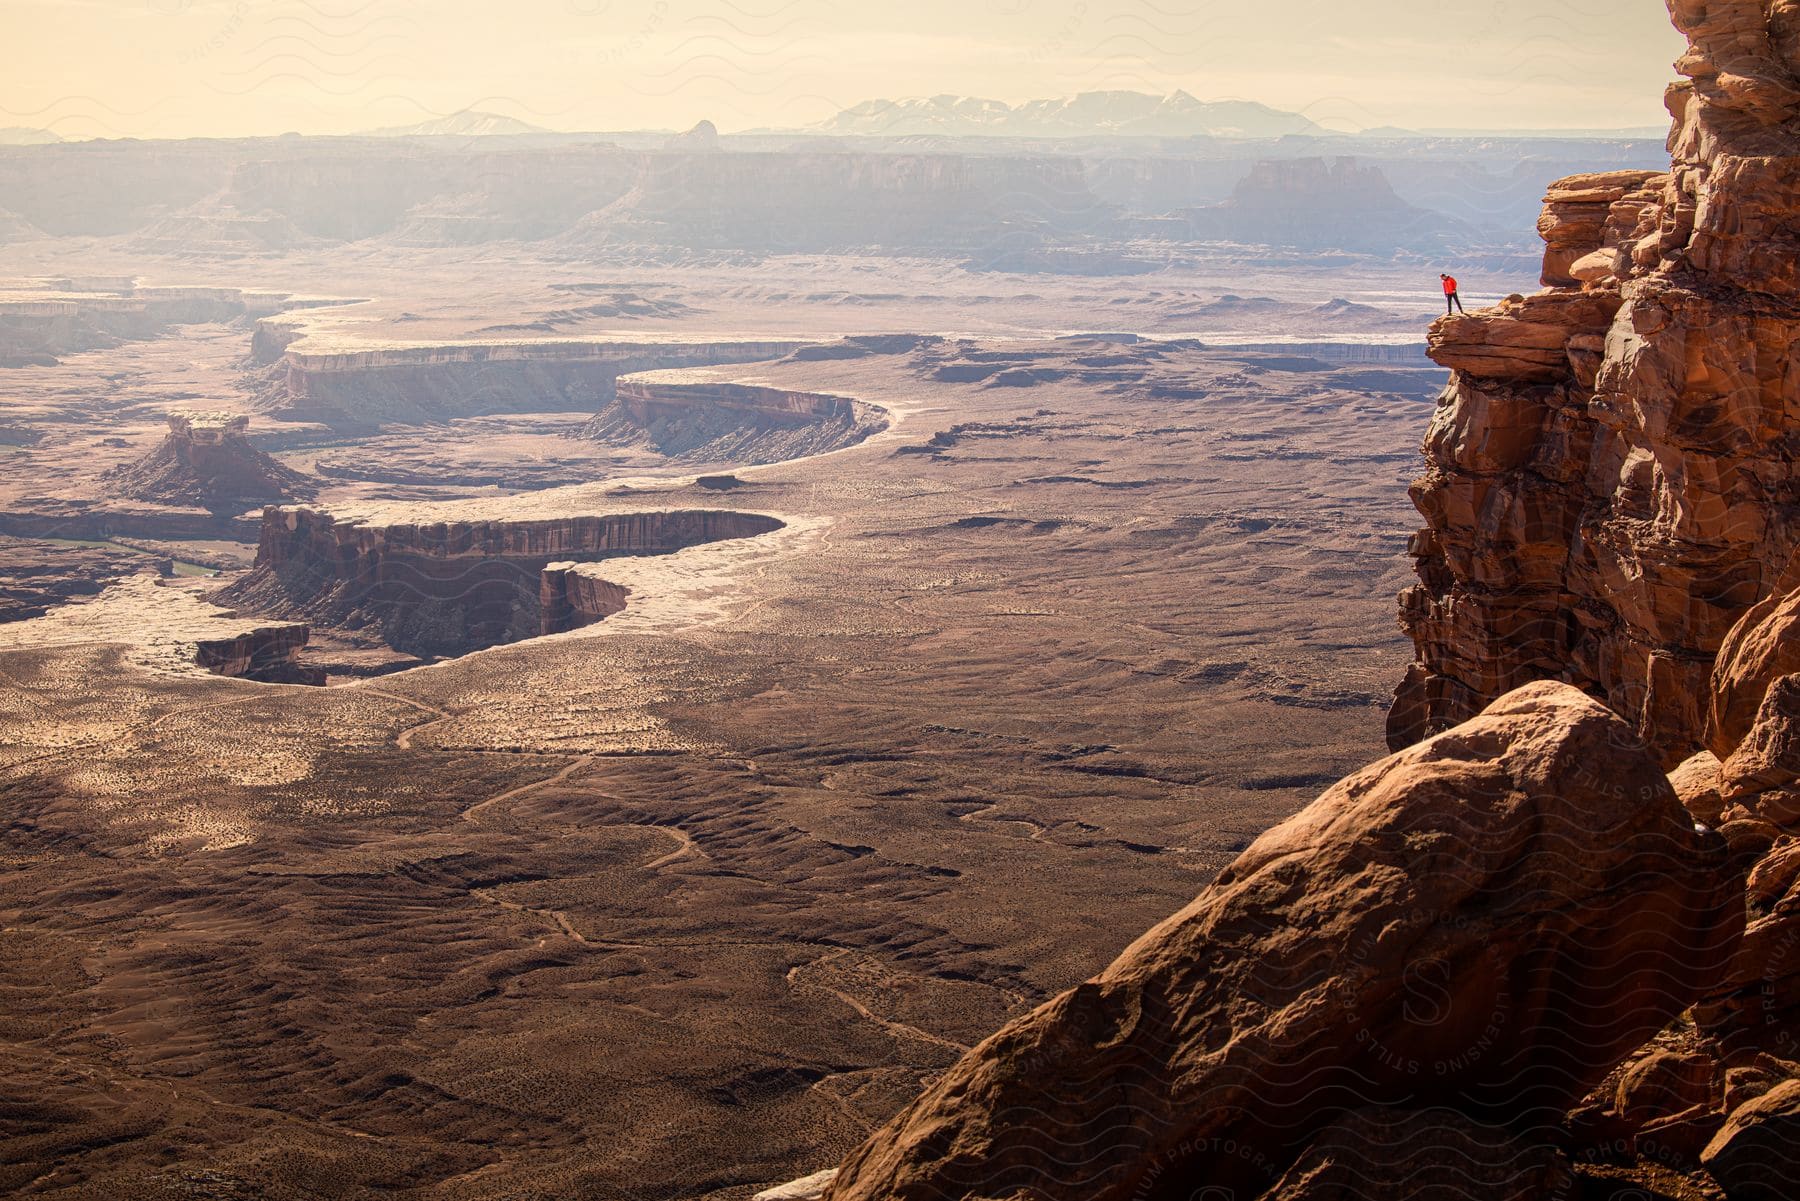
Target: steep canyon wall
(721, 421)
(451, 587)
(365, 388)
(1611, 477)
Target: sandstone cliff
(1611, 471)
(1516, 938)
(701, 420)
(454, 586)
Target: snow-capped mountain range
(1175, 115)
(467, 123)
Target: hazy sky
(159, 68)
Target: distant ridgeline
(943, 175)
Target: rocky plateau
(857, 661)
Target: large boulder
(1487, 922)
(1756, 1155)
(1696, 781)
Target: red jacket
(1449, 284)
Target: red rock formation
(569, 598)
(1608, 473)
(267, 654)
(451, 587)
(207, 462)
(1486, 922)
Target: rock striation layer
(360, 389)
(1611, 472)
(451, 587)
(714, 421)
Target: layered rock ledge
(361, 386)
(449, 587)
(715, 420)
(1611, 471)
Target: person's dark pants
(1451, 298)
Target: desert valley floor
(1092, 582)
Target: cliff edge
(1610, 476)
(1520, 957)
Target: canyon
(549, 665)
(572, 196)
(55, 316)
(452, 586)
(1607, 476)
(357, 389)
(712, 880)
(1610, 466)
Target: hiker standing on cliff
(1450, 296)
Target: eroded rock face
(362, 389)
(1608, 472)
(1486, 922)
(207, 462)
(1761, 648)
(268, 654)
(570, 598)
(718, 421)
(452, 587)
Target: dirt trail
(897, 1029)
(468, 814)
